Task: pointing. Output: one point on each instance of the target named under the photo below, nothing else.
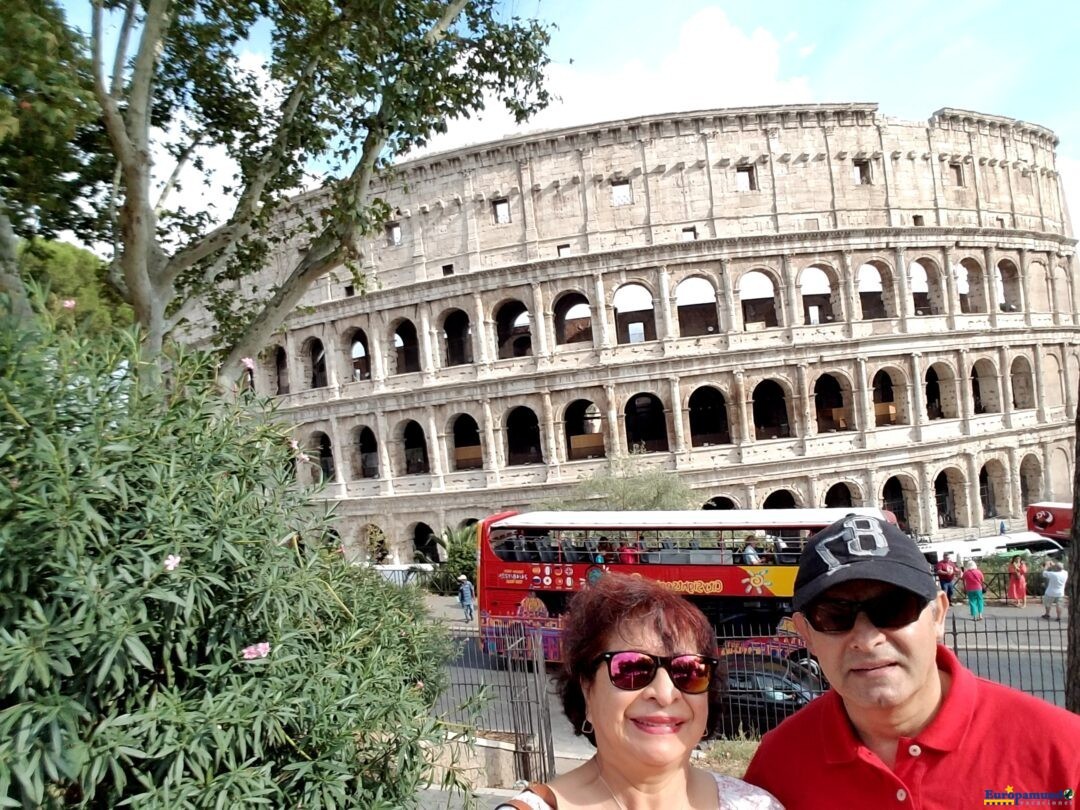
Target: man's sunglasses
(889, 610)
(632, 670)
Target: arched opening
(1062, 293)
(832, 411)
(950, 498)
(817, 296)
(373, 545)
(758, 296)
(708, 418)
(838, 497)
(770, 411)
(885, 403)
(457, 338)
(513, 330)
(719, 502)
(695, 301)
(584, 430)
(927, 291)
(315, 362)
(573, 319)
(1053, 396)
(523, 437)
(1031, 480)
(468, 454)
(984, 389)
(281, 371)
(781, 499)
(646, 424)
(1023, 385)
(992, 489)
(415, 447)
(1009, 286)
(425, 544)
(320, 443)
(367, 453)
(872, 281)
(900, 496)
(635, 321)
(1038, 288)
(941, 402)
(1061, 478)
(359, 356)
(406, 349)
(970, 286)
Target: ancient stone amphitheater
(794, 305)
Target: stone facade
(800, 304)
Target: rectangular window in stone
(860, 173)
(500, 211)
(1001, 222)
(350, 290)
(564, 250)
(621, 193)
(956, 172)
(745, 178)
(448, 269)
(393, 234)
(635, 332)
(689, 234)
(917, 219)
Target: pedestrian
(947, 573)
(750, 554)
(1055, 575)
(973, 587)
(904, 723)
(1018, 581)
(465, 596)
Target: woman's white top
(734, 794)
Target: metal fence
(504, 694)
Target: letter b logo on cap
(858, 537)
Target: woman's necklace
(603, 781)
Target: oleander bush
(176, 627)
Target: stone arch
(708, 414)
(1062, 290)
(889, 395)
(1031, 480)
(635, 315)
(1054, 394)
(513, 330)
(372, 542)
(781, 499)
(875, 290)
(359, 354)
(832, 403)
(583, 427)
(772, 416)
(970, 285)
(993, 489)
(695, 303)
(406, 347)
(415, 460)
(275, 367)
(940, 391)
(313, 362)
(820, 290)
(424, 543)
(927, 287)
(1039, 298)
(757, 294)
(365, 453)
(646, 424)
(900, 495)
(950, 497)
(839, 496)
(321, 452)
(468, 451)
(1008, 281)
(523, 437)
(1023, 383)
(1061, 478)
(720, 502)
(984, 387)
(573, 319)
(456, 338)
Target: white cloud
(807, 50)
(713, 64)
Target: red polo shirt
(987, 742)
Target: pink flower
(172, 562)
(260, 650)
(303, 458)
(68, 303)
(419, 684)
(294, 444)
(247, 363)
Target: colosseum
(792, 305)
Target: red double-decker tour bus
(738, 566)
(1053, 520)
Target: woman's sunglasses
(632, 670)
(886, 611)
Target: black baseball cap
(861, 547)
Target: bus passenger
(750, 554)
(628, 553)
(639, 681)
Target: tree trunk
(10, 281)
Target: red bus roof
(717, 519)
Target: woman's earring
(588, 730)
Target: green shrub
(176, 627)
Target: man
(947, 572)
(905, 724)
(1056, 576)
(465, 596)
(750, 554)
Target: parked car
(763, 690)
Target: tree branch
(155, 27)
(181, 161)
(121, 49)
(114, 121)
(10, 280)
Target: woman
(639, 681)
(1018, 581)
(973, 587)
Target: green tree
(77, 284)
(624, 486)
(459, 557)
(177, 628)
